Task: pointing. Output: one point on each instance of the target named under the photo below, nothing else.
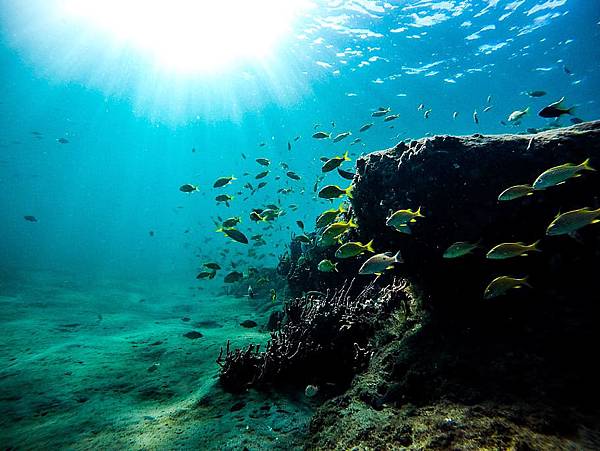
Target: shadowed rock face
(456, 181)
(450, 369)
(515, 371)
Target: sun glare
(188, 36)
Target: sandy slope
(106, 365)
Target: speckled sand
(105, 365)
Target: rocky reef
(418, 358)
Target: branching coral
(325, 338)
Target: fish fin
(529, 194)
(349, 191)
(390, 267)
(586, 165)
(369, 246)
(595, 221)
(413, 220)
(404, 229)
(524, 255)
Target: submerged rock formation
(456, 181)
(456, 370)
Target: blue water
(131, 135)
(108, 204)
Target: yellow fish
(514, 192)
(559, 174)
(334, 191)
(327, 266)
(403, 218)
(459, 249)
(353, 248)
(572, 220)
(337, 228)
(509, 250)
(329, 216)
(500, 285)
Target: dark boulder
(456, 181)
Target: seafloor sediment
(118, 364)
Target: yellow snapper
(514, 192)
(509, 250)
(572, 220)
(377, 264)
(188, 188)
(459, 249)
(327, 266)
(222, 181)
(403, 217)
(353, 248)
(334, 162)
(500, 285)
(327, 241)
(328, 216)
(334, 191)
(560, 174)
(337, 228)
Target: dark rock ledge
(426, 362)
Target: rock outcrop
(517, 371)
(450, 369)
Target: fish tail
(351, 223)
(586, 165)
(419, 214)
(526, 110)
(525, 282)
(369, 246)
(346, 157)
(349, 191)
(534, 246)
(572, 110)
(219, 230)
(398, 258)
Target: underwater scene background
(117, 122)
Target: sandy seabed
(104, 364)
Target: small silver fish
(377, 264)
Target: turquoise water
(100, 129)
